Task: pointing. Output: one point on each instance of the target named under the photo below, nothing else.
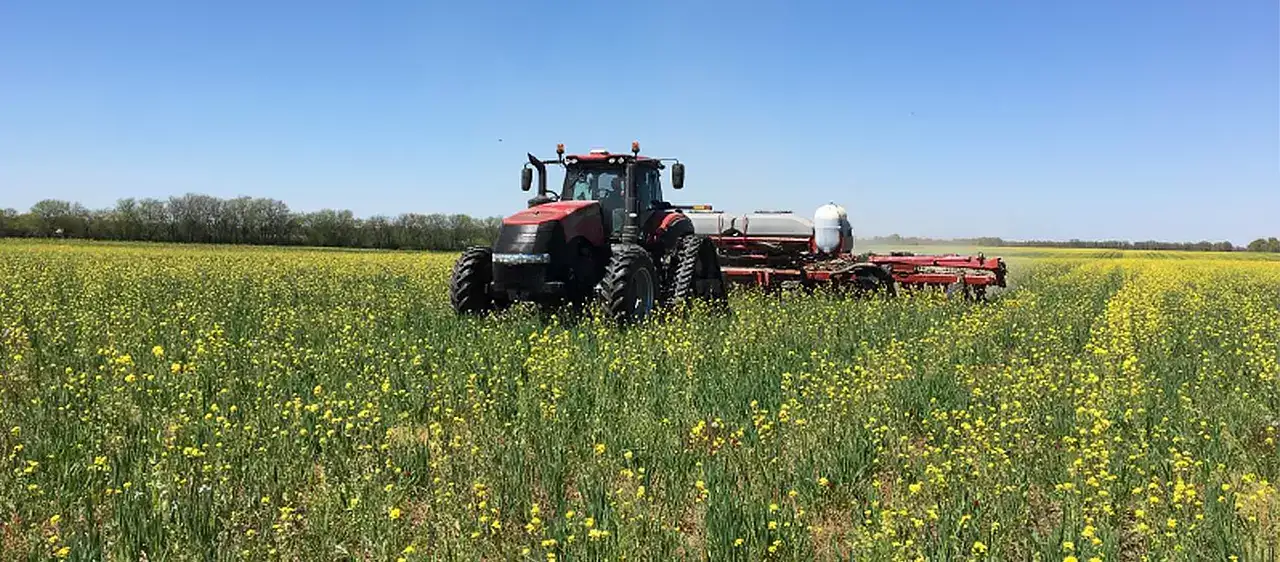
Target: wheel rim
(644, 293)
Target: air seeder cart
(778, 249)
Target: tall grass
(216, 404)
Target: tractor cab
(602, 177)
(628, 187)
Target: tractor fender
(671, 227)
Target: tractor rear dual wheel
(698, 275)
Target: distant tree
(8, 222)
(1264, 245)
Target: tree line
(248, 220)
(245, 220)
(1271, 244)
(1259, 245)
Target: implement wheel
(873, 280)
(630, 285)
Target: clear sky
(1133, 119)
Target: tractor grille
(521, 276)
(525, 238)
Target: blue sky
(1089, 119)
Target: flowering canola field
(197, 403)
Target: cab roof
(606, 157)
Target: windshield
(605, 185)
(594, 184)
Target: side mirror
(526, 179)
(677, 175)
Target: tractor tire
(469, 282)
(630, 285)
(698, 275)
(668, 265)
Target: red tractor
(607, 234)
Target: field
(198, 403)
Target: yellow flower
(394, 513)
(600, 448)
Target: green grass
(211, 403)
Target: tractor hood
(544, 227)
(548, 212)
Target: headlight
(520, 259)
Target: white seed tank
(759, 223)
(831, 229)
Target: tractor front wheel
(469, 282)
(630, 285)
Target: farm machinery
(778, 249)
(609, 235)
